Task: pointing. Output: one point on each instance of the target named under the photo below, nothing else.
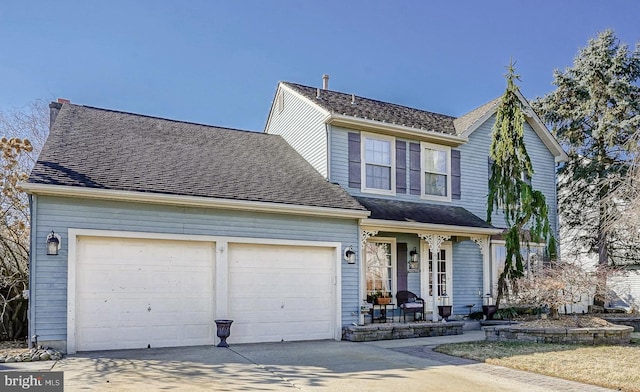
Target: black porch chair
(408, 302)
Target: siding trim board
(191, 201)
(415, 227)
(395, 130)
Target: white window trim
(394, 265)
(363, 166)
(423, 195)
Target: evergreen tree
(594, 112)
(525, 209)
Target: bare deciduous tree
(18, 128)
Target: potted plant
(381, 297)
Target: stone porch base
(419, 329)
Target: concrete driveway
(406, 365)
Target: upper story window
(436, 172)
(378, 166)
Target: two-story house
(145, 230)
(424, 178)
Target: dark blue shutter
(414, 168)
(401, 267)
(456, 191)
(354, 160)
(401, 167)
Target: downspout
(32, 270)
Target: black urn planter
(489, 311)
(444, 311)
(223, 332)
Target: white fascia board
(191, 201)
(282, 86)
(302, 97)
(395, 130)
(416, 227)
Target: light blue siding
(473, 167)
(467, 277)
(475, 175)
(300, 124)
(49, 295)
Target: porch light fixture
(415, 257)
(350, 255)
(53, 244)
(414, 261)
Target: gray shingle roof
(405, 211)
(340, 103)
(104, 149)
(464, 122)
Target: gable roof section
(412, 212)
(370, 109)
(110, 150)
(468, 123)
(464, 122)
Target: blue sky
(218, 62)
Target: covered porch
(441, 253)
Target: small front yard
(613, 367)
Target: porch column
(485, 249)
(434, 241)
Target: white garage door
(281, 293)
(135, 293)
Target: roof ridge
(163, 118)
(372, 99)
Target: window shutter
(456, 191)
(354, 160)
(414, 168)
(401, 167)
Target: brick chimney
(54, 109)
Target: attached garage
(165, 226)
(281, 293)
(138, 290)
(137, 293)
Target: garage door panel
(276, 290)
(135, 292)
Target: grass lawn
(613, 367)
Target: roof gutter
(415, 227)
(395, 129)
(191, 201)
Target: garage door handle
(149, 309)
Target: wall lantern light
(415, 257)
(350, 255)
(53, 244)
(414, 261)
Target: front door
(443, 286)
